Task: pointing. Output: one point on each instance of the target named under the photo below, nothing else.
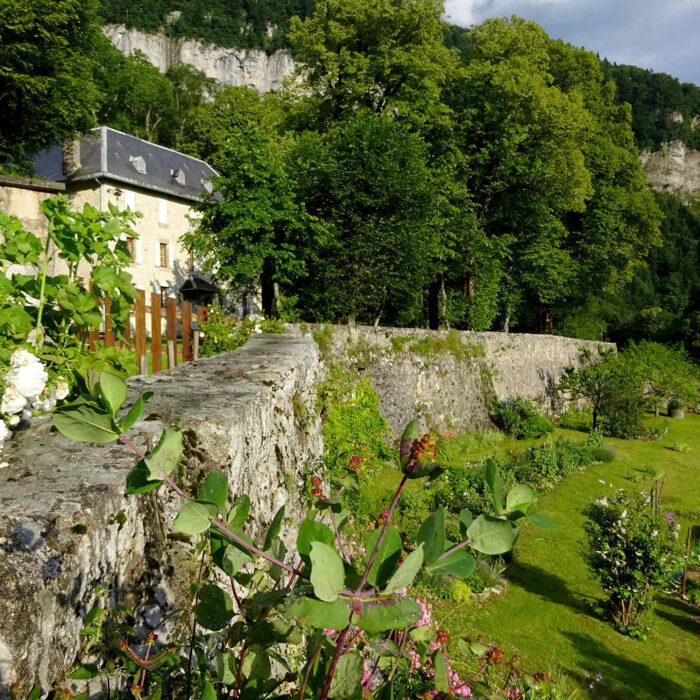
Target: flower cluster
(27, 390)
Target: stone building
(108, 166)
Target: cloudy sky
(660, 34)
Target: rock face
(66, 524)
(447, 391)
(235, 67)
(675, 168)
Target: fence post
(171, 331)
(110, 338)
(187, 331)
(140, 332)
(156, 344)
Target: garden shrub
(223, 332)
(633, 552)
(353, 426)
(604, 454)
(520, 419)
(545, 465)
(576, 419)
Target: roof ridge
(104, 131)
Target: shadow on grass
(688, 618)
(546, 585)
(623, 679)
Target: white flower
(654, 533)
(27, 414)
(12, 400)
(27, 374)
(623, 514)
(4, 432)
(603, 501)
(14, 420)
(62, 389)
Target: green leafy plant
(632, 551)
(520, 419)
(354, 609)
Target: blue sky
(660, 34)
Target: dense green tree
(386, 56)
(253, 232)
(369, 181)
(46, 63)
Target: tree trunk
(434, 306)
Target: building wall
(161, 219)
(22, 198)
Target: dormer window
(179, 176)
(138, 163)
(208, 186)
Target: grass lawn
(545, 612)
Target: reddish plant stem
(382, 534)
(358, 591)
(236, 598)
(334, 663)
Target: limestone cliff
(251, 68)
(675, 168)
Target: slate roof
(114, 155)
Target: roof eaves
(118, 178)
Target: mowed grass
(545, 614)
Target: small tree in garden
(361, 633)
(614, 388)
(669, 374)
(632, 551)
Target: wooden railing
(143, 344)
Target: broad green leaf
(327, 572)
(85, 423)
(134, 413)
(84, 672)
(387, 557)
(465, 520)
(233, 559)
(139, 481)
(312, 531)
(194, 517)
(410, 433)
(423, 469)
(495, 484)
(239, 513)
(540, 520)
(432, 535)
(491, 535)
(348, 677)
(208, 691)
(520, 497)
(406, 573)
(214, 490)
(391, 614)
(472, 648)
(442, 681)
(113, 391)
(459, 563)
(274, 530)
(316, 613)
(164, 457)
(214, 607)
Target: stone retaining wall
(66, 525)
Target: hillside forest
(413, 173)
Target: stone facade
(22, 197)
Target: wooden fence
(138, 339)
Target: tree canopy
(46, 63)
